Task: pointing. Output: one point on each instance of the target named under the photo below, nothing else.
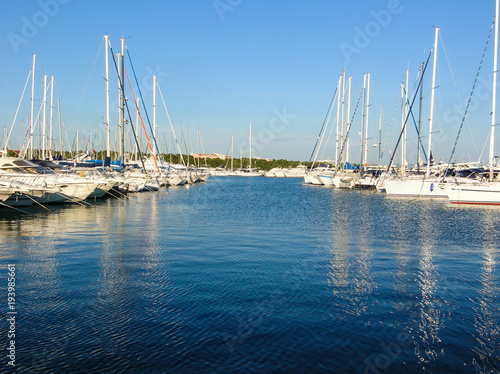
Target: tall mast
(198, 142)
(494, 94)
(380, 138)
(337, 132)
(419, 142)
(342, 111)
(154, 115)
(366, 120)
(137, 133)
(30, 142)
(187, 147)
(50, 121)
(180, 148)
(402, 129)
(250, 148)
(121, 103)
(108, 142)
(232, 151)
(60, 128)
(433, 89)
(405, 116)
(348, 118)
(44, 119)
(363, 108)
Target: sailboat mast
(44, 119)
(154, 115)
(419, 140)
(405, 116)
(51, 112)
(108, 141)
(433, 89)
(380, 138)
(494, 94)
(232, 151)
(137, 133)
(342, 111)
(366, 120)
(198, 142)
(362, 133)
(348, 118)
(250, 148)
(402, 129)
(337, 132)
(60, 127)
(180, 148)
(187, 147)
(30, 142)
(121, 103)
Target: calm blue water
(254, 275)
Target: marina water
(254, 275)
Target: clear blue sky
(222, 64)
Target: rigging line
(456, 86)
(398, 99)
(416, 128)
(143, 103)
(33, 129)
(202, 149)
(17, 111)
(142, 123)
(407, 115)
(128, 110)
(484, 146)
(323, 126)
(470, 99)
(349, 129)
(327, 141)
(334, 121)
(227, 151)
(320, 139)
(87, 83)
(323, 135)
(170, 122)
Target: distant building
(211, 155)
(267, 159)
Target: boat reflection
(350, 265)
(487, 306)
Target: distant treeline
(191, 161)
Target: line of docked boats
(24, 183)
(460, 183)
(466, 183)
(278, 172)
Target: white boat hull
(480, 194)
(415, 188)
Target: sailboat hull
(415, 188)
(485, 194)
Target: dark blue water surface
(254, 275)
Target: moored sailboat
(488, 192)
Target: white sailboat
(486, 193)
(250, 172)
(427, 185)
